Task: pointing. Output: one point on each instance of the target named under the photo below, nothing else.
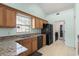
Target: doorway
(59, 30)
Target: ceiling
(49, 8)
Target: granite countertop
(9, 47)
(26, 37)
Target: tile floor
(58, 48)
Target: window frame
(26, 25)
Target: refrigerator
(48, 30)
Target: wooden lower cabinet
(20, 42)
(31, 44)
(28, 44)
(25, 53)
(34, 44)
(44, 39)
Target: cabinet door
(45, 22)
(1, 16)
(37, 23)
(33, 22)
(34, 44)
(10, 17)
(41, 24)
(27, 44)
(44, 39)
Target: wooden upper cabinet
(33, 22)
(41, 23)
(10, 17)
(37, 23)
(45, 22)
(1, 16)
(7, 17)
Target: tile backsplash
(12, 31)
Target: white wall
(77, 19)
(77, 25)
(68, 17)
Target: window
(23, 23)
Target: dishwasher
(40, 41)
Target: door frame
(64, 29)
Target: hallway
(58, 48)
